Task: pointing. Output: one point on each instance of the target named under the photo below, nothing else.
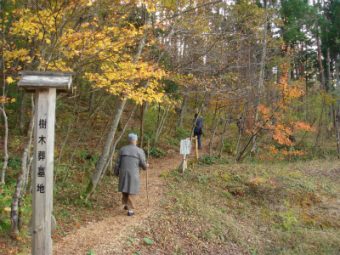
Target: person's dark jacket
(198, 129)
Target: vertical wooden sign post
(45, 86)
(196, 148)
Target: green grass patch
(250, 208)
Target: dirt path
(106, 236)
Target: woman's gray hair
(133, 137)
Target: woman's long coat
(130, 160)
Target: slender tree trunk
(323, 86)
(336, 106)
(211, 143)
(240, 131)
(22, 180)
(329, 74)
(2, 107)
(223, 134)
(183, 110)
(321, 68)
(319, 131)
(22, 112)
(107, 147)
(6, 156)
(336, 128)
(141, 128)
(261, 77)
(328, 85)
(159, 109)
(306, 84)
(337, 70)
(91, 101)
(213, 130)
(110, 164)
(161, 125)
(238, 142)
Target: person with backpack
(198, 129)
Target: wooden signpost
(45, 85)
(196, 148)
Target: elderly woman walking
(130, 160)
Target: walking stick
(147, 174)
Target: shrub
(157, 152)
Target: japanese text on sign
(185, 148)
(41, 156)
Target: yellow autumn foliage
(65, 39)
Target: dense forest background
(264, 75)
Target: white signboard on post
(185, 148)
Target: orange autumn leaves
(282, 128)
(289, 91)
(281, 131)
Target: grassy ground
(217, 209)
(247, 209)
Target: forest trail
(105, 237)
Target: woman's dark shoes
(130, 213)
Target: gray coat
(130, 160)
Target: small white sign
(185, 147)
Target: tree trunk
(321, 68)
(238, 142)
(213, 130)
(91, 101)
(337, 70)
(141, 128)
(336, 127)
(323, 86)
(2, 107)
(114, 146)
(337, 112)
(22, 112)
(159, 109)
(5, 164)
(223, 134)
(329, 74)
(101, 163)
(183, 111)
(318, 134)
(211, 143)
(306, 84)
(328, 82)
(161, 125)
(261, 77)
(22, 180)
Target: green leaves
(296, 14)
(148, 241)
(90, 252)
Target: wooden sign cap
(44, 80)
